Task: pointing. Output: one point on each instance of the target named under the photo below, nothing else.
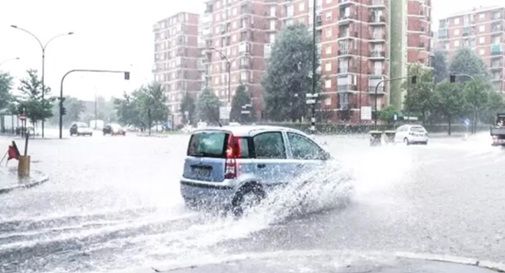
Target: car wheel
(425, 143)
(406, 141)
(247, 197)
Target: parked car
(411, 134)
(233, 166)
(80, 129)
(113, 129)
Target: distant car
(411, 134)
(234, 166)
(80, 129)
(113, 129)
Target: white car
(411, 134)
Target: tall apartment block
(353, 40)
(483, 31)
(177, 58)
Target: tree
(150, 105)
(126, 111)
(288, 76)
(476, 95)
(5, 88)
(449, 101)
(419, 97)
(495, 104)
(207, 106)
(240, 99)
(465, 61)
(188, 108)
(73, 107)
(439, 64)
(31, 102)
(387, 114)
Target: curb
(34, 180)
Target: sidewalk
(9, 179)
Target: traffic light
(452, 78)
(127, 75)
(63, 111)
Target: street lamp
(452, 77)
(228, 69)
(8, 60)
(43, 48)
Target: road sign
(310, 101)
(467, 122)
(245, 112)
(366, 113)
(224, 112)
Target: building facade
(177, 59)
(483, 31)
(353, 39)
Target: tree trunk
(449, 129)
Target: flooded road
(113, 204)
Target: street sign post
(366, 113)
(224, 112)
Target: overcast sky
(109, 34)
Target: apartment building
(483, 31)
(353, 38)
(177, 58)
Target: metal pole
(42, 81)
(313, 116)
(375, 108)
(228, 64)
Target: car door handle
(260, 166)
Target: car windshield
(252, 135)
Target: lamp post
(43, 49)
(62, 110)
(314, 67)
(8, 60)
(228, 69)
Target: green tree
(465, 61)
(31, 102)
(387, 114)
(126, 111)
(240, 99)
(288, 76)
(419, 97)
(476, 95)
(5, 88)
(207, 106)
(151, 104)
(74, 109)
(439, 64)
(449, 101)
(188, 108)
(495, 104)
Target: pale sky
(109, 34)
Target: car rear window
(213, 144)
(417, 129)
(207, 144)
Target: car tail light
(232, 153)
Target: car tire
(242, 200)
(425, 143)
(406, 141)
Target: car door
(400, 133)
(270, 157)
(306, 155)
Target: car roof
(248, 130)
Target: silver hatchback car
(236, 166)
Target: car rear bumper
(206, 193)
(418, 139)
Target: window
(272, 25)
(482, 40)
(327, 84)
(456, 21)
(328, 16)
(482, 15)
(482, 28)
(304, 148)
(456, 43)
(482, 51)
(456, 32)
(269, 145)
(301, 6)
(328, 50)
(207, 144)
(327, 67)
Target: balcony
(372, 83)
(344, 53)
(496, 49)
(377, 54)
(347, 34)
(443, 33)
(345, 2)
(346, 88)
(346, 19)
(496, 66)
(319, 21)
(377, 20)
(377, 4)
(347, 70)
(378, 38)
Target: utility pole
(314, 67)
